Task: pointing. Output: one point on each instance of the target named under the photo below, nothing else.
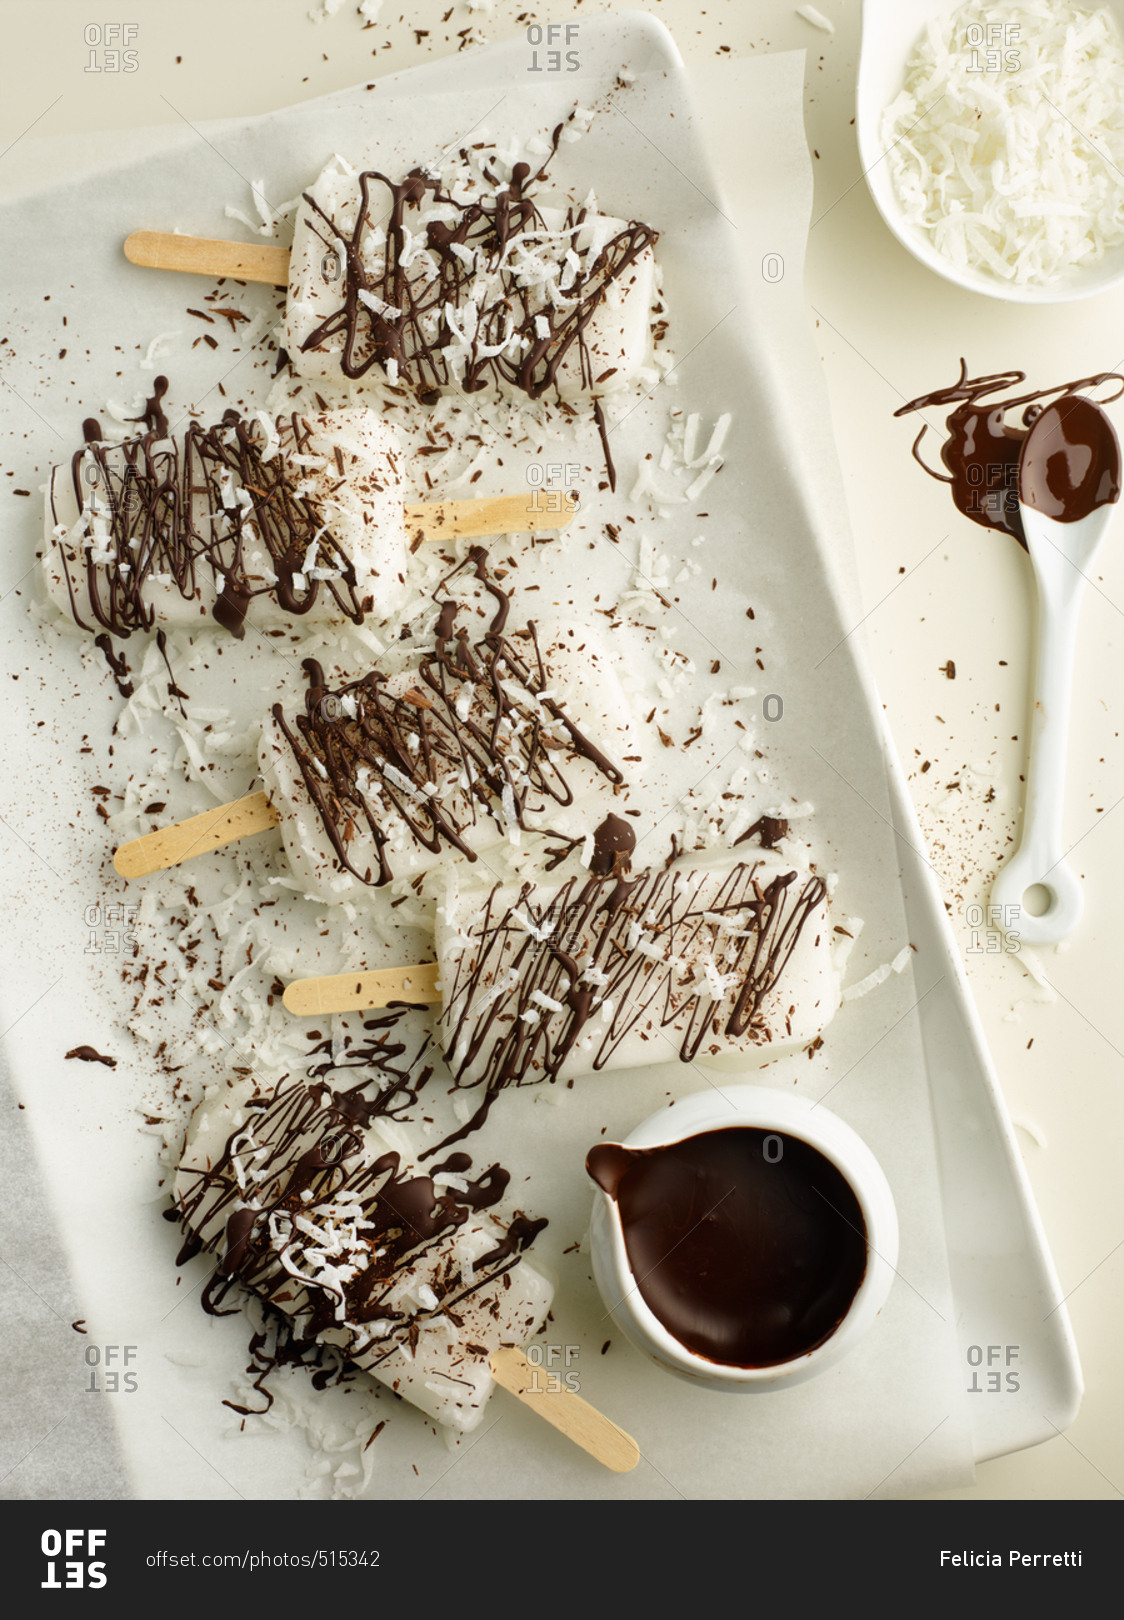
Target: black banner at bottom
(213, 1555)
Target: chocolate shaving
(89, 1054)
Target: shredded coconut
(1006, 142)
(816, 18)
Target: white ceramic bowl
(889, 30)
(765, 1109)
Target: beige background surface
(934, 587)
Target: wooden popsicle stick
(206, 256)
(546, 1395)
(358, 991)
(169, 846)
(496, 514)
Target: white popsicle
(727, 964)
(405, 771)
(307, 1205)
(461, 276)
(298, 517)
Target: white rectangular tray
(773, 516)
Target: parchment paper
(891, 1419)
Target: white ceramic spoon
(889, 29)
(1061, 554)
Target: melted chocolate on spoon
(1071, 461)
(983, 450)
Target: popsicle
(304, 1199)
(727, 964)
(294, 517)
(474, 742)
(457, 277)
(707, 963)
(449, 279)
(474, 745)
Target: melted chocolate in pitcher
(748, 1245)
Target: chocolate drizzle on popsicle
(982, 450)
(183, 513)
(413, 313)
(478, 735)
(298, 1210)
(604, 955)
(379, 1049)
(118, 664)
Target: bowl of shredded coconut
(992, 137)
